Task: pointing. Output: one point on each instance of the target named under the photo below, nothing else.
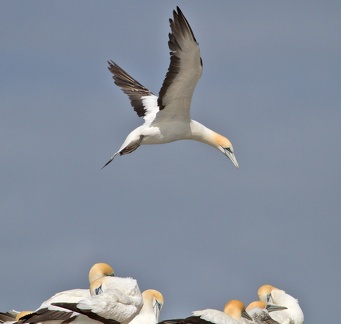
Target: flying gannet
(167, 117)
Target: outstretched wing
(143, 100)
(184, 71)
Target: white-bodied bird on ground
(49, 313)
(113, 300)
(293, 313)
(152, 304)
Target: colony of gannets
(110, 299)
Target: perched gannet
(97, 271)
(152, 304)
(113, 300)
(292, 315)
(167, 117)
(234, 310)
(48, 312)
(259, 311)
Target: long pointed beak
(107, 163)
(273, 308)
(231, 156)
(109, 160)
(246, 315)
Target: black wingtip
(111, 66)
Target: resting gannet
(272, 295)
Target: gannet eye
(228, 149)
(98, 290)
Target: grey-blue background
(178, 217)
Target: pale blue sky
(178, 217)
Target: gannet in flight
(234, 312)
(167, 117)
(272, 295)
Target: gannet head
(154, 299)
(100, 270)
(264, 293)
(256, 304)
(225, 146)
(236, 309)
